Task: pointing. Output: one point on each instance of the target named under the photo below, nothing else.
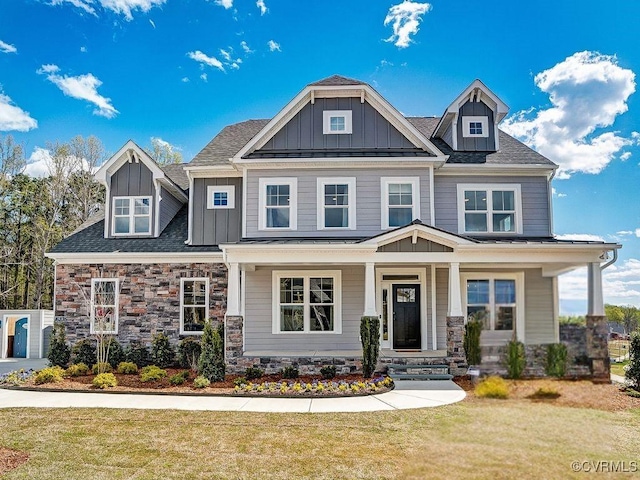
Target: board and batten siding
(259, 307)
(476, 144)
(169, 206)
(216, 226)
(535, 201)
(132, 180)
(368, 200)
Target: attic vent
(132, 156)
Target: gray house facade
(291, 229)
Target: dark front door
(406, 316)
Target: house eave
(134, 257)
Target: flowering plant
(358, 387)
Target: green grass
(479, 439)
(618, 348)
(618, 368)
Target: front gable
(418, 237)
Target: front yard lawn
(618, 368)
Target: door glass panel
(385, 314)
(405, 295)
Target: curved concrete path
(406, 395)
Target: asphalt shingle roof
(176, 173)
(336, 80)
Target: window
(400, 201)
(278, 204)
(194, 304)
(336, 203)
(131, 215)
(336, 122)
(104, 305)
(475, 126)
(489, 209)
(307, 302)
(221, 196)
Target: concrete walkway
(406, 395)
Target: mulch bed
(10, 459)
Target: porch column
(596, 303)
(370, 290)
(597, 331)
(233, 290)
(455, 299)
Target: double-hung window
(400, 201)
(307, 302)
(336, 203)
(104, 305)
(131, 215)
(489, 209)
(278, 203)
(194, 304)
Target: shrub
(84, 352)
(189, 352)
(240, 381)
(101, 367)
(152, 373)
(105, 380)
(546, 392)
(127, 368)
(59, 352)
(254, 372)
(633, 369)
(211, 363)
(515, 360)
(492, 387)
(328, 372)
(370, 336)
(49, 375)
(162, 353)
(556, 361)
(290, 372)
(77, 370)
(201, 382)
(179, 378)
(116, 354)
(17, 377)
(138, 354)
(471, 342)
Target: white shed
(25, 333)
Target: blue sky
(180, 70)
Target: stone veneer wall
(149, 298)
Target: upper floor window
(489, 209)
(104, 305)
(221, 196)
(337, 122)
(278, 203)
(131, 215)
(194, 304)
(475, 127)
(336, 203)
(400, 201)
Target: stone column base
(455, 346)
(233, 346)
(597, 348)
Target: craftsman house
(291, 229)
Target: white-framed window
(194, 305)
(104, 305)
(495, 299)
(400, 201)
(221, 196)
(484, 208)
(336, 203)
(307, 301)
(337, 122)
(278, 204)
(475, 126)
(131, 216)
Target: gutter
(612, 261)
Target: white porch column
(233, 291)
(596, 302)
(370, 290)
(455, 298)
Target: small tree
(84, 351)
(515, 360)
(471, 342)
(211, 363)
(59, 351)
(162, 353)
(370, 336)
(633, 371)
(189, 353)
(556, 361)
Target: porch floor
(384, 353)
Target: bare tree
(163, 152)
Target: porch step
(418, 372)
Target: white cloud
(82, 4)
(555, 193)
(620, 283)
(7, 48)
(227, 4)
(637, 232)
(405, 20)
(39, 163)
(587, 92)
(152, 24)
(83, 49)
(225, 54)
(580, 236)
(625, 156)
(185, 80)
(13, 117)
(261, 5)
(204, 77)
(201, 58)
(625, 232)
(82, 87)
(273, 46)
(245, 47)
(125, 7)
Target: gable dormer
(141, 199)
(470, 123)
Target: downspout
(612, 261)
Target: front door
(20, 338)
(406, 316)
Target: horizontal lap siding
(442, 306)
(258, 315)
(539, 322)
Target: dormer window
(220, 196)
(336, 122)
(131, 215)
(475, 127)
